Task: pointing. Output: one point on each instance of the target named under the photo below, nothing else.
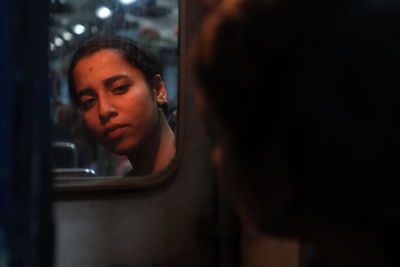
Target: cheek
(141, 110)
(232, 179)
(92, 123)
(216, 155)
(226, 169)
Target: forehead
(103, 58)
(104, 64)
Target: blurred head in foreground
(300, 98)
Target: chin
(124, 148)
(120, 148)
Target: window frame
(67, 185)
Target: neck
(157, 153)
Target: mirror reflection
(114, 72)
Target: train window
(115, 102)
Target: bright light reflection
(79, 29)
(67, 36)
(58, 41)
(52, 47)
(103, 12)
(127, 2)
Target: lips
(114, 131)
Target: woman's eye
(120, 89)
(87, 104)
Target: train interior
(67, 203)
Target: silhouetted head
(301, 99)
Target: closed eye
(87, 98)
(87, 103)
(120, 89)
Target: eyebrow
(109, 81)
(86, 91)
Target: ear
(159, 90)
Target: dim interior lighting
(52, 47)
(58, 41)
(103, 12)
(79, 29)
(67, 36)
(127, 2)
(93, 29)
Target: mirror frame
(139, 183)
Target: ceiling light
(103, 12)
(79, 29)
(126, 2)
(67, 36)
(58, 41)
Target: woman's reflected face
(118, 105)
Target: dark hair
(321, 78)
(132, 51)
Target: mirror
(94, 134)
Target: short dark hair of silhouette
(311, 86)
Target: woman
(118, 87)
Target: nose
(106, 110)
